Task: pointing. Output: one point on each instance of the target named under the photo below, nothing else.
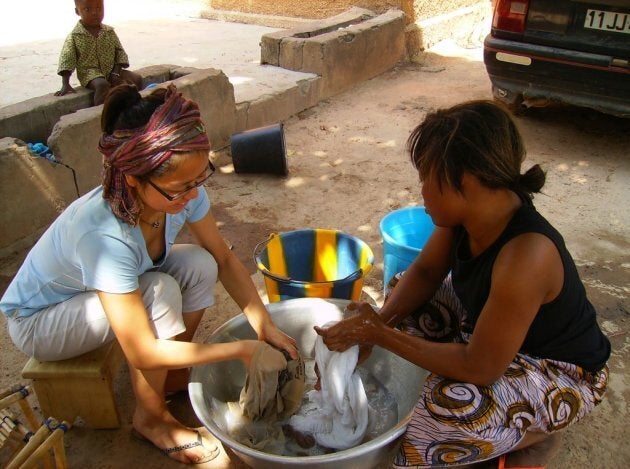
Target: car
(574, 52)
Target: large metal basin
(213, 384)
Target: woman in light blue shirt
(108, 267)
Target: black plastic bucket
(260, 151)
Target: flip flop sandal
(213, 449)
(501, 465)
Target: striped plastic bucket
(314, 263)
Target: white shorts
(184, 283)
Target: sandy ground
(348, 168)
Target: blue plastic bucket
(313, 263)
(405, 232)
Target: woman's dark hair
(125, 108)
(475, 137)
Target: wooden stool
(80, 386)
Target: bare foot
(536, 455)
(180, 443)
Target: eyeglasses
(178, 195)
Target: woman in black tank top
(493, 307)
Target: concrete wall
(34, 119)
(32, 193)
(349, 38)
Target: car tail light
(510, 15)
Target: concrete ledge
(277, 107)
(340, 49)
(33, 120)
(271, 44)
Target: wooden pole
(18, 394)
(54, 442)
(37, 439)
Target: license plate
(607, 21)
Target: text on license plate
(607, 21)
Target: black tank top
(564, 329)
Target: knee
(132, 77)
(162, 289)
(137, 80)
(99, 85)
(200, 265)
(205, 266)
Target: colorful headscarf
(174, 126)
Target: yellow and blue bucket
(315, 263)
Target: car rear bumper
(541, 72)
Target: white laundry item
(337, 415)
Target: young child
(94, 50)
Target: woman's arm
(422, 279)
(527, 273)
(419, 283)
(129, 321)
(239, 285)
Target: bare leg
(177, 380)
(153, 420)
(535, 449)
(131, 77)
(100, 86)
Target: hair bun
(533, 180)
(118, 99)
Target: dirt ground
(348, 168)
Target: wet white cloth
(337, 415)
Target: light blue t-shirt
(88, 248)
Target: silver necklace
(156, 224)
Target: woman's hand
(249, 348)
(363, 329)
(274, 336)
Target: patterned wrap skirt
(460, 423)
